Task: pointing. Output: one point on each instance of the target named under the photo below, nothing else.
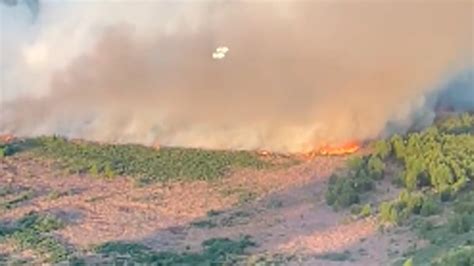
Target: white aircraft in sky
(220, 52)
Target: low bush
(345, 189)
(465, 203)
(15, 200)
(460, 223)
(392, 212)
(429, 207)
(6, 150)
(407, 203)
(216, 251)
(336, 256)
(424, 227)
(342, 192)
(459, 256)
(362, 211)
(446, 194)
(144, 163)
(31, 232)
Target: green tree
(414, 169)
(410, 201)
(376, 167)
(355, 163)
(441, 176)
(398, 146)
(383, 149)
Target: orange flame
(326, 149)
(7, 138)
(346, 148)
(156, 145)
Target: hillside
(406, 199)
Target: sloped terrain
(281, 209)
(60, 202)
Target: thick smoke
(298, 73)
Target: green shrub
(16, 200)
(465, 203)
(459, 256)
(31, 233)
(363, 182)
(438, 157)
(392, 212)
(109, 173)
(216, 251)
(342, 192)
(408, 262)
(335, 256)
(459, 223)
(355, 163)
(382, 149)
(361, 211)
(385, 210)
(376, 167)
(365, 211)
(445, 194)
(397, 179)
(94, 170)
(458, 124)
(399, 210)
(412, 201)
(424, 227)
(429, 207)
(138, 252)
(142, 162)
(204, 224)
(6, 150)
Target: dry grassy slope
(282, 209)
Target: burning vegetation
(6, 138)
(334, 150)
(345, 148)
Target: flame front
(346, 148)
(334, 149)
(6, 138)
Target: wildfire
(7, 138)
(156, 145)
(263, 153)
(345, 148)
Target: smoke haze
(298, 73)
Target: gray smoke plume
(298, 74)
